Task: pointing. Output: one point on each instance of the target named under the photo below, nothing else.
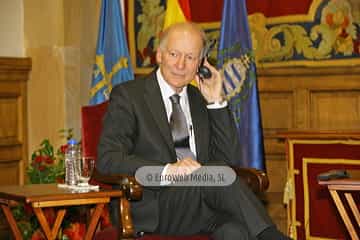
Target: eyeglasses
(176, 55)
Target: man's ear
(158, 56)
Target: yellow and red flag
(177, 11)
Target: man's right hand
(184, 166)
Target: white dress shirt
(166, 92)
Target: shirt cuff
(163, 181)
(216, 105)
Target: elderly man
(161, 120)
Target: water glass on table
(84, 168)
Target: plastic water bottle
(71, 155)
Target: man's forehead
(185, 31)
(185, 37)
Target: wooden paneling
(277, 103)
(13, 125)
(13, 121)
(303, 98)
(9, 118)
(333, 109)
(9, 172)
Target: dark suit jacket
(136, 133)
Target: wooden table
(349, 187)
(50, 195)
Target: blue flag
(112, 64)
(236, 63)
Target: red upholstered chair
(91, 121)
(91, 128)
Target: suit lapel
(200, 122)
(156, 106)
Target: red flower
(48, 160)
(76, 231)
(39, 159)
(38, 235)
(63, 148)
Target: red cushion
(111, 233)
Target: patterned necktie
(179, 129)
(178, 124)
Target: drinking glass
(84, 169)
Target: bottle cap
(72, 141)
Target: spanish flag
(177, 11)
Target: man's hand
(184, 166)
(211, 88)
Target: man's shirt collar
(166, 90)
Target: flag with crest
(236, 63)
